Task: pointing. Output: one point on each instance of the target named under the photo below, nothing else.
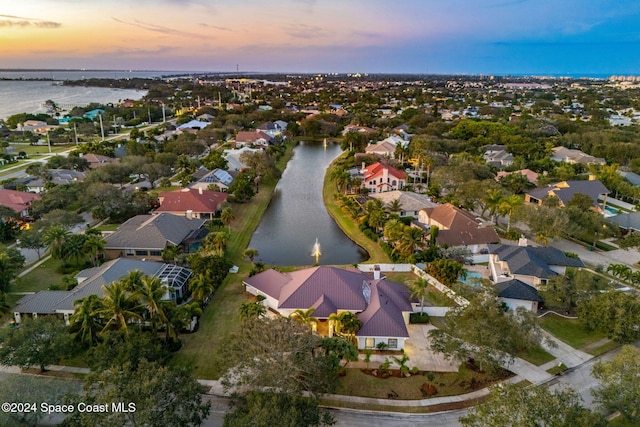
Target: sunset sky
(558, 37)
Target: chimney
(200, 190)
(363, 167)
(376, 272)
(189, 214)
(592, 177)
(385, 175)
(522, 241)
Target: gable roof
(383, 315)
(565, 190)
(17, 201)
(194, 124)
(252, 136)
(153, 231)
(533, 261)
(515, 289)
(410, 201)
(189, 199)
(382, 148)
(462, 227)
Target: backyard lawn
(570, 331)
(40, 278)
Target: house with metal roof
(146, 236)
(382, 307)
(17, 201)
(565, 190)
(91, 282)
(411, 203)
(531, 265)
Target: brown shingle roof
(462, 227)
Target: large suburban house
(192, 203)
(458, 228)
(56, 177)
(411, 203)
(531, 265)
(17, 201)
(565, 191)
(378, 178)
(233, 158)
(91, 281)
(381, 149)
(256, 137)
(218, 178)
(146, 236)
(568, 155)
(97, 160)
(383, 307)
(531, 176)
(497, 156)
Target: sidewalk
(563, 352)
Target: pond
(296, 217)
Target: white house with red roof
(378, 178)
(253, 137)
(17, 201)
(382, 307)
(192, 202)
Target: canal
(296, 216)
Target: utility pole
(164, 118)
(48, 142)
(75, 132)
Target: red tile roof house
(378, 178)
(192, 203)
(458, 228)
(253, 137)
(18, 201)
(383, 307)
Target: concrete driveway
(418, 348)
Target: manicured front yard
(40, 278)
(570, 331)
(358, 383)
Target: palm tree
(84, 321)
(132, 281)
(349, 324)
(410, 240)
(377, 218)
(251, 253)
(419, 289)
(253, 309)
(305, 317)
(394, 206)
(171, 253)
(393, 230)
(74, 249)
(216, 241)
(492, 202)
(118, 306)
(55, 238)
(180, 318)
(508, 206)
(94, 246)
(226, 216)
(201, 288)
(151, 293)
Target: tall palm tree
(492, 202)
(217, 241)
(151, 293)
(94, 246)
(132, 281)
(171, 253)
(410, 240)
(226, 216)
(180, 318)
(305, 317)
(419, 289)
(252, 309)
(201, 287)
(84, 322)
(55, 238)
(377, 218)
(508, 206)
(393, 230)
(118, 306)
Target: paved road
(347, 418)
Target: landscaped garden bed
(415, 385)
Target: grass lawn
(621, 422)
(570, 331)
(537, 355)
(35, 150)
(221, 317)
(357, 383)
(40, 278)
(348, 226)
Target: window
(394, 183)
(155, 253)
(129, 252)
(370, 342)
(142, 253)
(393, 343)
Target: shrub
(418, 318)
(370, 234)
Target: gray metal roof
(43, 302)
(153, 231)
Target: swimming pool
(470, 275)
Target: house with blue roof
(91, 115)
